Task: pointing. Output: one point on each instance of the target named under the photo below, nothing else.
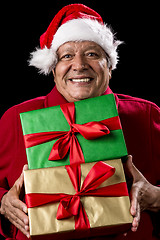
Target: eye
(92, 54)
(66, 57)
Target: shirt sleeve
(155, 140)
(13, 155)
(7, 145)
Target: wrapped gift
(77, 201)
(84, 131)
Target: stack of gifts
(75, 186)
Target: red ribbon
(67, 139)
(70, 205)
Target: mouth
(81, 80)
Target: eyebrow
(85, 49)
(93, 47)
(67, 49)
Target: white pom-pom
(44, 59)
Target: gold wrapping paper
(101, 211)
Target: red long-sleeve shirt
(141, 126)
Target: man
(81, 52)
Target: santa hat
(75, 22)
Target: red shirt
(141, 126)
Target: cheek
(102, 69)
(60, 71)
(103, 64)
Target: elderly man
(81, 52)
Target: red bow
(67, 139)
(70, 205)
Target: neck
(55, 98)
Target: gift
(77, 201)
(85, 131)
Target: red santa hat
(75, 22)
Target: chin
(82, 97)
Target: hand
(144, 196)
(13, 208)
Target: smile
(79, 80)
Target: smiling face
(81, 71)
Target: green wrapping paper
(110, 146)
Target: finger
(16, 203)
(18, 224)
(134, 200)
(18, 211)
(129, 159)
(128, 165)
(25, 167)
(131, 169)
(19, 184)
(19, 219)
(136, 220)
(17, 208)
(20, 180)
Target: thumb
(129, 163)
(130, 169)
(20, 181)
(25, 167)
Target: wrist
(1, 204)
(2, 193)
(155, 195)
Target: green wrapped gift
(84, 131)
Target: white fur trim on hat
(76, 30)
(44, 59)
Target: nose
(79, 63)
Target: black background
(135, 23)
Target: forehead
(79, 46)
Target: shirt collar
(54, 98)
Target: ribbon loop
(70, 205)
(98, 174)
(67, 139)
(91, 130)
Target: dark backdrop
(136, 24)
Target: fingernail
(28, 236)
(25, 209)
(133, 210)
(134, 229)
(26, 228)
(26, 221)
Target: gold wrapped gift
(105, 215)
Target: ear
(53, 71)
(110, 73)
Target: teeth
(81, 80)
